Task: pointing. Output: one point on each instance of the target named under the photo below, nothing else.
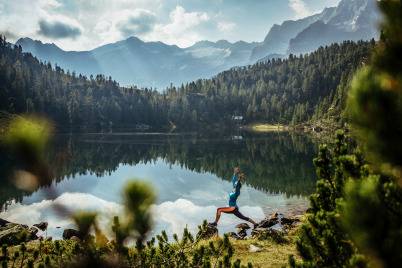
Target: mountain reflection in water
(191, 173)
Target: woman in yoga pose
(234, 194)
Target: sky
(86, 24)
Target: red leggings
(233, 210)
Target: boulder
(12, 224)
(42, 226)
(33, 230)
(254, 248)
(77, 240)
(289, 226)
(264, 233)
(11, 234)
(273, 216)
(242, 232)
(68, 233)
(266, 223)
(233, 235)
(257, 231)
(48, 239)
(209, 232)
(289, 219)
(243, 226)
(33, 236)
(296, 224)
(3, 223)
(33, 243)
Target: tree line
(286, 91)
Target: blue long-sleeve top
(235, 192)
(234, 180)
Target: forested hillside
(291, 91)
(288, 91)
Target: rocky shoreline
(14, 233)
(264, 228)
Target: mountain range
(155, 64)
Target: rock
(11, 224)
(33, 232)
(68, 233)
(48, 239)
(289, 219)
(264, 233)
(276, 235)
(3, 223)
(296, 224)
(273, 216)
(77, 240)
(233, 235)
(33, 243)
(243, 226)
(254, 248)
(10, 234)
(266, 223)
(209, 232)
(242, 232)
(257, 231)
(33, 236)
(42, 226)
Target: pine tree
(376, 108)
(356, 215)
(323, 241)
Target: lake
(191, 173)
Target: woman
(233, 208)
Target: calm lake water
(191, 173)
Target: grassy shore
(267, 128)
(272, 253)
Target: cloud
(47, 210)
(181, 29)
(300, 8)
(226, 27)
(50, 3)
(59, 27)
(9, 34)
(175, 216)
(184, 20)
(172, 216)
(136, 22)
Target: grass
(272, 254)
(267, 128)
